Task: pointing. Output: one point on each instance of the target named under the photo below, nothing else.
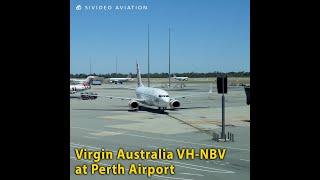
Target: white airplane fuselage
(75, 86)
(78, 87)
(77, 81)
(153, 96)
(181, 78)
(81, 81)
(120, 80)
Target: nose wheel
(162, 109)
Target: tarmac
(107, 123)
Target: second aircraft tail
(139, 81)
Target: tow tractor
(88, 95)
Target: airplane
(79, 87)
(180, 78)
(81, 81)
(150, 96)
(120, 80)
(85, 85)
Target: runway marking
(166, 177)
(192, 174)
(105, 133)
(172, 140)
(195, 165)
(204, 168)
(90, 137)
(245, 160)
(87, 129)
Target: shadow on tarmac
(142, 108)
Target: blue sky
(206, 36)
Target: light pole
(169, 59)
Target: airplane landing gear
(162, 109)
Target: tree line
(165, 75)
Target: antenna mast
(148, 60)
(90, 66)
(116, 65)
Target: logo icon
(78, 8)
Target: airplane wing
(200, 107)
(127, 88)
(121, 88)
(94, 96)
(115, 97)
(124, 98)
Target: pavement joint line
(172, 140)
(187, 123)
(206, 169)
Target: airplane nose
(165, 102)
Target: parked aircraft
(120, 80)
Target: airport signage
(222, 84)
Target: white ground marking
(194, 165)
(192, 174)
(90, 137)
(204, 168)
(163, 139)
(104, 133)
(166, 177)
(244, 160)
(87, 129)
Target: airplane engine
(133, 104)
(174, 103)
